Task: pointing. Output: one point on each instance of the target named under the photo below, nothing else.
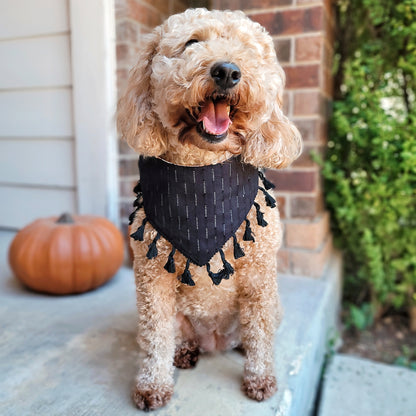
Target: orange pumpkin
(67, 254)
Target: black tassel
(224, 273)
(260, 216)
(152, 252)
(170, 264)
(138, 203)
(248, 234)
(139, 234)
(186, 277)
(238, 251)
(267, 184)
(215, 277)
(132, 216)
(138, 188)
(270, 201)
(227, 266)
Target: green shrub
(370, 166)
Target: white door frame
(93, 49)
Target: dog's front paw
(152, 397)
(259, 387)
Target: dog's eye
(190, 42)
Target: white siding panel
(22, 18)
(95, 98)
(36, 113)
(37, 62)
(20, 206)
(37, 162)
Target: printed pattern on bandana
(197, 209)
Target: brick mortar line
(125, 66)
(327, 240)
(129, 153)
(290, 102)
(309, 117)
(292, 50)
(300, 64)
(301, 169)
(126, 199)
(296, 194)
(302, 221)
(304, 63)
(317, 2)
(128, 178)
(298, 35)
(299, 115)
(306, 89)
(256, 11)
(125, 156)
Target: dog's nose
(226, 74)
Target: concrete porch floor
(76, 355)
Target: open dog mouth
(213, 118)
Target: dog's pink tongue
(215, 117)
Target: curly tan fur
(259, 388)
(186, 355)
(157, 118)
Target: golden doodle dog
(203, 109)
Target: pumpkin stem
(65, 218)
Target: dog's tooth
(228, 109)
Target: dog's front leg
(259, 312)
(155, 291)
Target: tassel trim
(139, 234)
(132, 216)
(138, 202)
(152, 252)
(186, 277)
(224, 273)
(238, 251)
(138, 188)
(267, 184)
(260, 216)
(270, 201)
(248, 233)
(228, 270)
(215, 277)
(170, 264)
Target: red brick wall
(302, 30)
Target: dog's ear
(276, 143)
(136, 120)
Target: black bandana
(198, 209)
